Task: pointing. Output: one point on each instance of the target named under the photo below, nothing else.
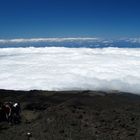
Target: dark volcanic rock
(73, 115)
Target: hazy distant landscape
(78, 42)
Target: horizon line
(62, 39)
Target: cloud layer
(46, 40)
(70, 69)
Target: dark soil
(73, 115)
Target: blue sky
(69, 18)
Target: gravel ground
(73, 115)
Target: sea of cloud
(60, 68)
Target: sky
(69, 18)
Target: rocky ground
(73, 115)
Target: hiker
(16, 112)
(10, 112)
(7, 110)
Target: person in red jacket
(7, 110)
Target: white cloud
(133, 40)
(46, 40)
(70, 69)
